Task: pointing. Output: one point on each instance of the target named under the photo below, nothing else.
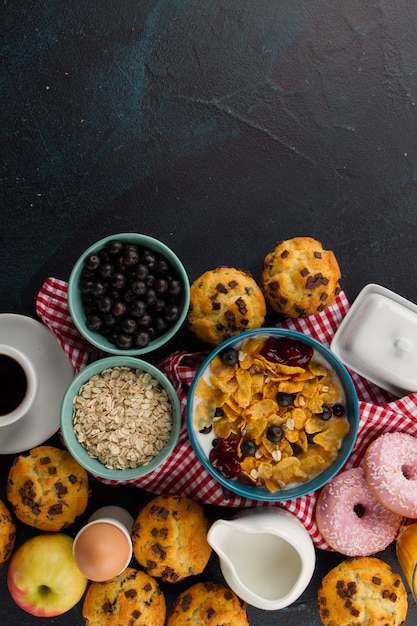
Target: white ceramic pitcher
(266, 556)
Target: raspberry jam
(287, 351)
(223, 456)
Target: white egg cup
(118, 518)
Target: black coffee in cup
(13, 384)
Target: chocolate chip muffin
(208, 604)
(47, 488)
(224, 302)
(362, 590)
(299, 277)
(133, 598)
(170, 538)
(7, 533)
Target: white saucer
(55, 372)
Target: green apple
(43, 578)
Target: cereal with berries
(270, 412)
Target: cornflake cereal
(122, 417)
(273, 423)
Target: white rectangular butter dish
(378, 339)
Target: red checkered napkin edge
(182, 473)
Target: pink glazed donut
(350, 518)
(390, 466)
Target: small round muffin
(133, 598)
(170, 538)
(224, 302)
(7, 533)
(300, 278)
(208, 604)
(362, 590)
(47, 488)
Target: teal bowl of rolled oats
(120, 418)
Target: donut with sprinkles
(390, 465)
(351, 520)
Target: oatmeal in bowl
(120, 418)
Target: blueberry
(106, 270)
(229, 356)
(274, 433)
(248, 447)
(139, 287)
(162, 266)
(119, 308)
(148, 258)
(141, 271)
(130, 257)
(160, 325)
(144, 321)
(98, 288)
(160, 286)
(104, 304)
(137, 308)
(94, 322)
(171, 313)
(114, 247)
(128, 326)
(150, 297)
(86, 285)
(326, 413)
(141, 339)
(118, 280)
(124, 341)
(338, 410)
(92, 261)
(174, 287)
(285, 399)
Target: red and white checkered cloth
(182, 473)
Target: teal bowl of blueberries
(128, 294)
(272, 415)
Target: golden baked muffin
(7, 533)
(224, 302)
(362, 590)
(133, 598)
(170, 538)
(300, 278)
(47, 488)
(208, 604)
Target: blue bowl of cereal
(272, 414)
(120, 418)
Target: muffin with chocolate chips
(300, 278)
(208, 604)
(47, 488)
(7, 533)
(362, 590)
(224, 302)
(133, 598)
(170, 538)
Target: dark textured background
(218, 127)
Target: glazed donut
(350, 518)
(390, 466)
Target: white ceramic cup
(266, 556)
(103, 548)
(18, 384)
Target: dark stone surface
(218, 128)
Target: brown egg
(102, 551)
